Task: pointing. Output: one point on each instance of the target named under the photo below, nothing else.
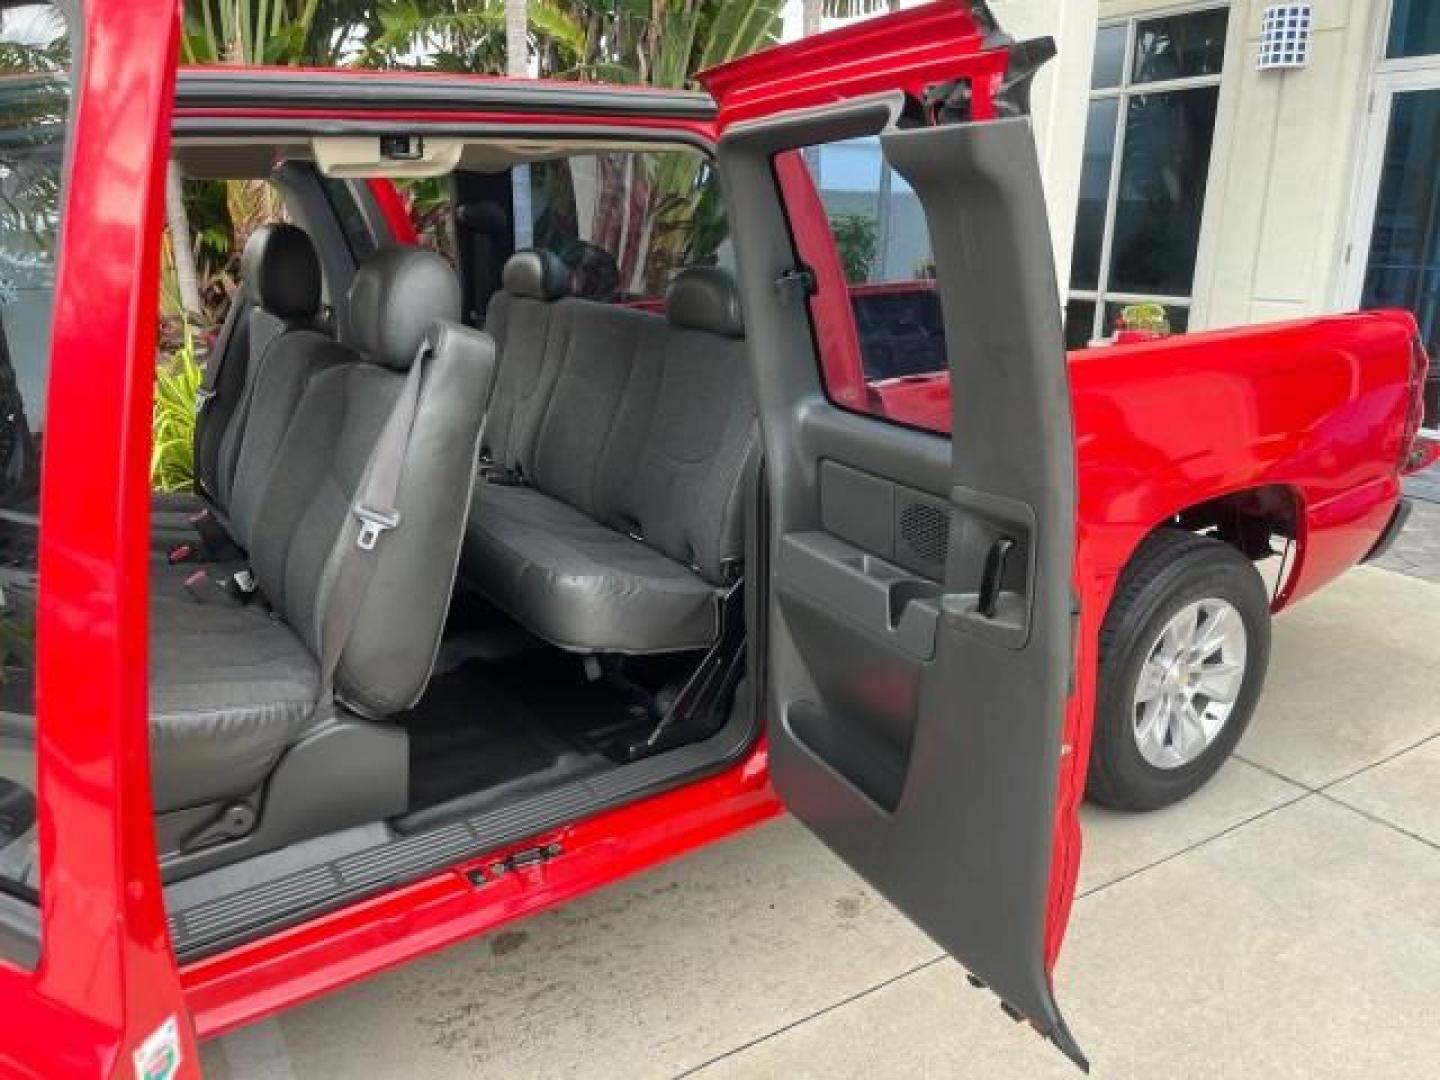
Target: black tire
(1171, 569)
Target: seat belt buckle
(372, 524)
(213, 537)
(200, 587)
(181, 553)
(502, 475)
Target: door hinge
(480, 876)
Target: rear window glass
(625, 222)
(35, 62)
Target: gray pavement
(1282, 923)
(1425, 485)
(1417, 549)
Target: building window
(1153, 100)
(1414, 29)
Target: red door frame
(105, 978)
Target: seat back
(650, 419)
(675, 476)
(280, 298)
(519, 318)
(400, 297)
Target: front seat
(241, 731)
(279, 299)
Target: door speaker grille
(925, 532)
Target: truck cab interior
(542, 614)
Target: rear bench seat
(630, 440)
(232, 688)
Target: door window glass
(883, 242)
(35, 61)
(431, 200)
(1147, 162)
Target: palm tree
(232, 32)
(662, 42)
(517, 38)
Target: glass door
(1395, 257)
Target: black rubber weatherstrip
(242, 89)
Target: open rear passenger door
(919, 635)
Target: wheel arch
(1259, 521)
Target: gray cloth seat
(581, 585)
(266, 349)
(231, 689)
(519, 319)
(628, 528)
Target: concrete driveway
(1283, 923)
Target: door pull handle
(993, 576)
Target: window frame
(1123, 92)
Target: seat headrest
(536, 273)
(397, 293)
(705, 298)
(280, 271)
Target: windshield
(35, 62)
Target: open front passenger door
(920, 629)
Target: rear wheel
(1183, 654)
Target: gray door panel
(919, 624)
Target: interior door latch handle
(993, 576)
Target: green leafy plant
(1149, 318)
(172, 453)
(857, 240)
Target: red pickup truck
(511, 573)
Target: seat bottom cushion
(579, 584)
(230, 690)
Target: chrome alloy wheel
(1189, 683)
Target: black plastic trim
(197, 89)
(214, 925)
(306, 127)
(1393, 528)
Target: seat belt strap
(214, 362)
(372, 514)
(210, 381)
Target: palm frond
(172, 452)
(739, 29)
